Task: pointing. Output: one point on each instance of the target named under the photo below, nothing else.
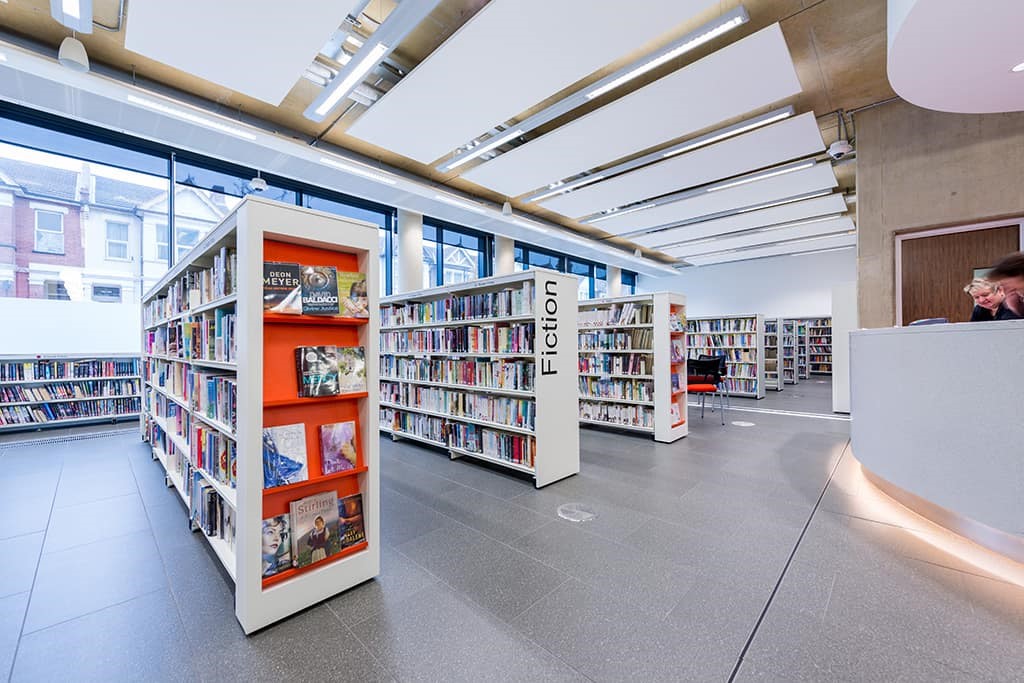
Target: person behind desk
(988, 302)
(1009, 274)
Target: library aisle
(481, 579)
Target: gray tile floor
(812, 395)
(711, 559)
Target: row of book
(731, 355)
(618, 414)
(745, 370)
(515, 375)
(504, 303)
(215, 454)
(512, 448)
(628, 313)
(818, 339)
(723, 325)
(302, 289)
(625, 389)
(736, 385)
(315, 528)
(618, 341)
(69, 390)
(602, 364)
(715, 341)
(67, 369)
(286, 456)
(212, 394)
(330, 370)
(209, 512)
(51, 412)
(514, 412)
(195, 288)
(516, 338)
(209, 337)
(819, 349)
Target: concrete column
(614, 281)
(504, 255)
(409, 275)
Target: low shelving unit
(740, 338)
(772, 354)
(789, 351)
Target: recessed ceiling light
(191, 118)
(1017, 69)
(356, 170)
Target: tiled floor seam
(785, 568)
(94, 611)
(359, 640)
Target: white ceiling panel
(816, 178)
(768, 146)
(833, 242)
(509, 57)
(794, 211)
(768, 237)
(751, 73)
(256, 47)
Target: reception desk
(938, 423)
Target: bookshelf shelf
(652, 324)
(196, 314)
(742, 338)
(819, 345)
(532, 310)
(66, 379)
(789, 351)
(773, 354)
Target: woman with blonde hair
(989, 301)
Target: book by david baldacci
(282, 291)
(276, 546)
(338, 447)
(284, 455)
(350, 520)
(314, 522)
(316, 370)
(355, 302)
(319, 290)
(351, 369)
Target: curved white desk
(938, 419)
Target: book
(678, 350)
(319, 290)
(314, 523)
(351, 363)
(338, 447)
(316, 369)
(350, 520)
(284, 455)
(355, 303)
(276, 546)
(282, 292)
(674, 413)
(675, 382)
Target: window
(117, 241)
(453, 254)
(361, 210)
(600, 281)
(628, 282)
(54, 289)
(185, 239)
(533, 257)
(163, 245)
(585, 272)
(106, 293)
(49, 232)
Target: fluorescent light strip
(761, 176)
(562, 189)
(338, 90)
(355, 41)
(72, 8)
(614, 213)
(750, 231)
(356, 170)
(731, 131)
(755, 247)
(725, 26)
(460, 204)
(188, 116)
(1017, 69)
(482, 149)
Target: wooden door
(936, 268)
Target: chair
(704, 376)
(723, 371)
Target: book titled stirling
(319, 290)
(314, 523)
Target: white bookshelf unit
(741, 339)
(819, 345)
(772, 354)
(39, 392)
(218, 369)
(486, 370)
(800, 328)
(632, 364)
(788, 351)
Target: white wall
(787, 286)
(39, 326)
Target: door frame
(968, 227)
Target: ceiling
(476, 71)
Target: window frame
(108, 241)
(485, 260)
(36, 230)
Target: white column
(504, 255)
(409, 275)
(614, 281)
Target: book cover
(678, 350)
(314, 523)
(674, 413)
(284, 455)
(675, 382)
(317, 370)
(276, 546)
(338, 447)
(319, 290)
(350, 520)
(355, 303)
(351, 361)
(282, 292)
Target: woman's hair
(980, 283)
(319, 519)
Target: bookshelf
(218, 370)
(772, 354)
(819, 345)
(741, 339)
(40, 392)
(632, 364)
(486, 370)
(788, 351)
(800, 335)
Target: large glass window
(380, 216)
(628, 282)
(163, 243)
(453, 254)
(600, 281)
(532, 257)
(585, 272)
